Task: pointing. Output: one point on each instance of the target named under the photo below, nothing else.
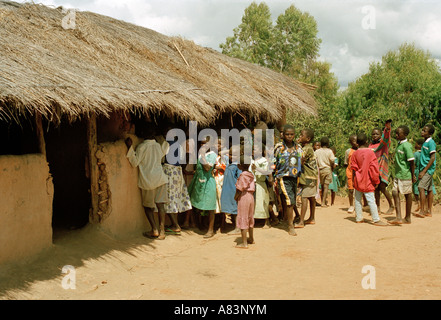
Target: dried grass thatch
(104, 64)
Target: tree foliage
(290, 45)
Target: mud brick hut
(69, 92)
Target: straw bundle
(103, 64)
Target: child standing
(348, 156)
(366, 176)
(335, 184)
(179, 199)
(151, 179)
(380, 145)
(426, 167)
(202, 188)
(259, 168)
(308, 178)
(232, 173)
(404, 174)
(244, 196)
(325, 162)
(287, 158)
(417, 154)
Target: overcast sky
(354, 33)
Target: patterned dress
(381, 150)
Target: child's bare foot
(186, 226)
(161, 235)
(292, 231)
(250, 241)
(209, 234)
(428, 214)
(242, 246)
(419, 214)
(396, 221)
(407, 220)
(310, 221)
(267, 224)
(390, 211)
(151, 235)
(236, 231)
(379, 223)
(299, 225)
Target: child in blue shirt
(426, 168)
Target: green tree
(253, 38)
(405, 86)
(289, 46)
(295, 41)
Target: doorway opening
(66, 152)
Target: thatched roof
(104, 64)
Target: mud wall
(121, 208)
(26, 194)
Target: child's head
(419, 143)
(148, 131)
(376, 134)
(362, 139)
(258, 150)
(353, 140)
(401, 132)
(427, 131)
(324, 142)
(288, 133)
(244, 162)
(334, 151)
(316, 145)
(306, 136)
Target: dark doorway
(66, 151)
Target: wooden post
(40, 133)
(93, 167)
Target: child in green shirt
(426, 169)
(404, 175)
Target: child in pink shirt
(245, 188)
(366, 177)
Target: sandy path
(324, 261)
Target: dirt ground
(324, 261)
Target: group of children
(245, 189)
(368, 173)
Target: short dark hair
(431, 128)
(324, 141)
(309, 133)
(352, 136)
(287, 127)
(405, 129)
(419, 141)
(361, 138)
